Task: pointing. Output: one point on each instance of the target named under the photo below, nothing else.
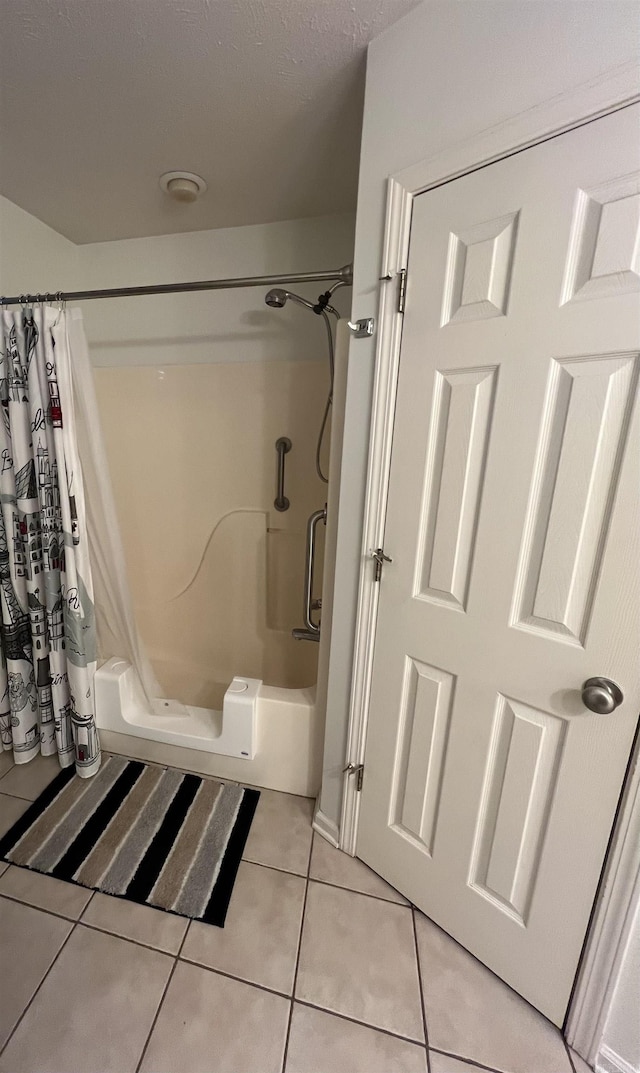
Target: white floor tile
(94, 1011)
(142, 923)
(211, 1024)
(29, 941)
(11, 809)
(330, 865)
(6, 761)
(280, 834)
(470, 1012)
(29, 780)
(358, 958)
(45, 892)
(259, 941)
(323, 1043)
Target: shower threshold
(265, 735)
(122, 707)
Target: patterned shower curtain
(47, 622)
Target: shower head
(276, 298)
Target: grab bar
(305, 635)
(283, 446)
(309, 603)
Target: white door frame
(615, 89)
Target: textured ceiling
(263, 98)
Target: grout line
(127, 938)
(327, 883)
(422, 1003)
(93, 894)
(162, 998)
(362, 1024)
(20, 797)
(321, 1009)
(231, 976)
(571, 1061)
(184, 937)
(364, 893)
(95, 927)
(42, 909)
(209, 968)
(469, 1061)
(569, 1055)
(486, 969)
(37, 990)
(297, 965)
(179, 957)
(273, 867)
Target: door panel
(517, 793)
(422, 739)
(461, 420)
(585, 423)
(489, 789)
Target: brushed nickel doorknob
(601, 695)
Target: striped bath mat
(150, 834)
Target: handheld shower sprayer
(277, 298)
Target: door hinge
(379, 558)
(358, 771)
(402, 290)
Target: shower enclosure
(227, 588)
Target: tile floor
(321, 968)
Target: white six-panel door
(490, 789)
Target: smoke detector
(182, 185)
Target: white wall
(33, 257)
(214, 326)
(183, 329)
(440, 75)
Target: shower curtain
(117, 633)
(64, 596)
(47, 626)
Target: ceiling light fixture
(182, 185)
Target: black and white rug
(151, 834)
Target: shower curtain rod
(341, 275)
